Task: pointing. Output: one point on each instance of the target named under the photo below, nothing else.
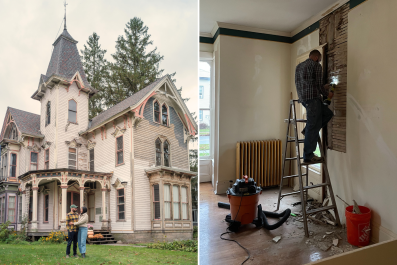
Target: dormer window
(48, 113)
(72, 113)
(12, 132)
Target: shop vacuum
(244, 209)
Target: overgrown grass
(184, 245)
(39, 253)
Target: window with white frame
(156, 202)
(119, 150)
(175, 202)
(205, 108)
(4, 162)
(72, 112)
(13, 165)
(163, 153)
(72, 158)
(160, 113)
(92, 160)
(167, 201)
(33, 160)
(47, 159)
(20, 208)
(164, 113)
(184, 199)
(46, 207)
(48, 113)
(11, 208)
(120, 204)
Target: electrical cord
(229, 232)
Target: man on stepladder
(310, 88)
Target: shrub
(195, 232)
(54, 237)
(184, 245)
(5, 232)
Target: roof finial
(65, 15)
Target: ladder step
(292, 158)
(315, 186)
(294, 176)
(322, 209)
(299, 141)
(306, 164)
(297, 120)
(291, 193)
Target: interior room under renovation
(265, 198)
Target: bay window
(175, 202)
(184, 198)
(167, 202)
(156, 202)
(11, 208)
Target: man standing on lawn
(310, 87)
(72, 230)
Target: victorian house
(129, 165)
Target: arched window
(156, 112)
(12, 132)
(164, 111)
(166, 148)
(48, 113)
(158, 152)
(72, 111)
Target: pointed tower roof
(64, 64)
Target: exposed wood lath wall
(333, 31)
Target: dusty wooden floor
(293, 249)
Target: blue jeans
(318, 115)
(82, 238)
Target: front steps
(107, 238)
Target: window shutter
(333, 32)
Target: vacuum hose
(262, 216)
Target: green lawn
(204, 131)
(96, 254)
(204, 147)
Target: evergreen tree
(95, 67)
(134, 66)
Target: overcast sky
(28, 29)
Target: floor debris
(335, 242)
(276, 239)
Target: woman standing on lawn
(82, 235)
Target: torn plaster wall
(367, 172)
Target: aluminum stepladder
(303, 190)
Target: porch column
(64, 210)
(34, 213)
(82, 197)
(104, 216)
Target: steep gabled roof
(65, 59)
(26, 122)
(125, 104)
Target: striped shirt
(72, 217)
(309, 80)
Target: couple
(77, 230)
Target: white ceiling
(277, 15)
